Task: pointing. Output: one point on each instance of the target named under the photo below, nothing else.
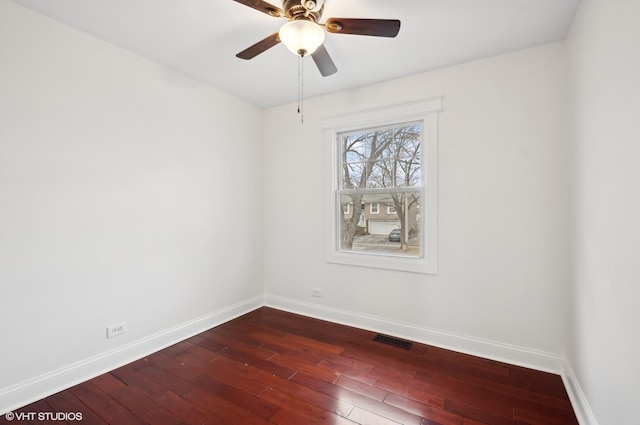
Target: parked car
(394, 236)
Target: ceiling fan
(304, 34)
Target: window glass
(375, 165)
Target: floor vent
(396, 342)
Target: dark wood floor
(279, 368)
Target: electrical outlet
(117, 329)
(316, 292)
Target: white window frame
(425, 111)
(391, 210)
(377, 210)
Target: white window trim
(391, 210)
(377, 211)
(426, 111)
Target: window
(384, 157)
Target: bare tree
(406, 172)
(360, 153)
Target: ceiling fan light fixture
(302, 37)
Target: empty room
(417, 212)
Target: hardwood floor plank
(66, 402)
(206, 344)
(364, 417)
(547, 416)
(224, 412)
(173, 366)
(106, 407)
(204, 353)
(139, 382)
(258, 363)
(314, 344)
(490, 393)
(447, 359)
(144, 407)
(341, 363)
(236, 330)
(238, 367)
(434, 414)
(468, 421)
(238, 397)
(277, 343)
(380, 360)
(228, 376)
(289, 417)
(164, 378)
(108, 383)
(231, 342)
(275, 367)
(398, 384)
(348, 336)
(481, 415)
(473, 396)
(302, 364)
(310, 412)
(541, 382)
(507, 386)
(355, 399)
(359, 387)
(194, 362)
(189, 412)
(308, 395)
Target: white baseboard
(530, 358)
(578, 399)
(34, 389)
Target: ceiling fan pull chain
(301, 88)
(298, 84)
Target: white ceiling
(201, 37)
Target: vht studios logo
(44, 416)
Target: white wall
(604, 47)
(128, 193)
(503, 211)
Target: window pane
(381, 158)
(381, 223)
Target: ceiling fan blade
(263, 7)
(375, 27)
(324, 62)
(259, 47)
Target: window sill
(384, 261)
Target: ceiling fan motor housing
(295, 9)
